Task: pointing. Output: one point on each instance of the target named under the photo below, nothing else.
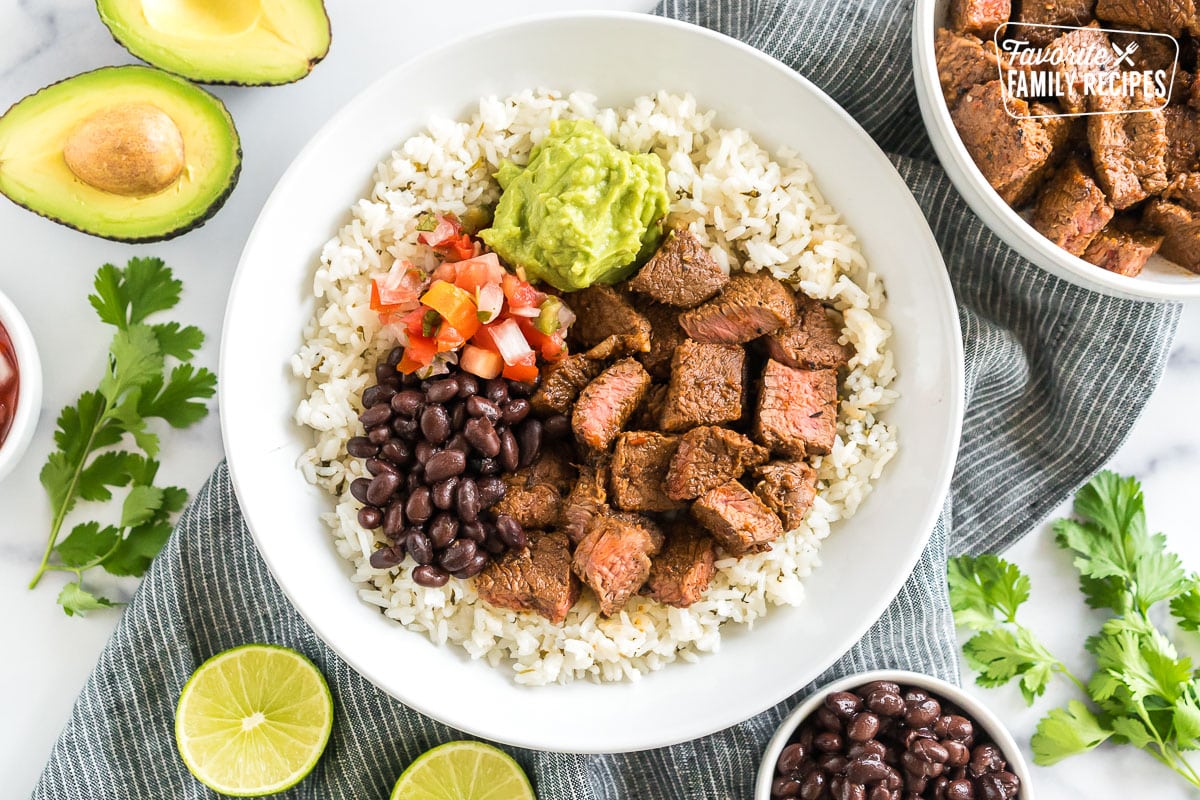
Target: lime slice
(463, 771)
(253, 720)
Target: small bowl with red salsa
(20, 386)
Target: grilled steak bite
(706, 386)
(751, 305)
(562, 381)
(788, 488)
(639, 471)
(707, 457)
(1184, 189)
(665, 336)
(1129, 150)
(534, 495)
(606, 404)
(1121, 251)
(645, 418)
(797, 410)
(1183, 140)
(1068, 48)
(588, 497)
(1165, 16)
(537, 578)
(963, 62)
(614, 557)
(1072, 209)
(1180, 229)
(1071, 13)
(1011, 153)
(601, 312)
(682, 571)
(811, 342)
(978, 17)
(681, 273)
(738, 520)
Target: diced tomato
(402, 284)
(525, 373)
(378, 305)
(520, 294)
(477, 272)
(449, 339)
(419, 353)
(456, 306)
(414, 321)
(477, 361)
(458, 248)
(483, 338)
(446, 271)
(447, 228)
(549, 345)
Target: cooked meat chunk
(639, 471)
(535, 506)
(552, 467)
(1072, 209)
(1180, 229)
(978, 17)
(681, 273)
(1184, 189)
(1164, 16)
(707, 457)
(1183, 140)
(614, 557)
(706, 386)
(601, 312)
(1089, 44)
(606, 404)
(751, 305)
(537, 578)
(811, 342)
(1011, 153)
(1072, 13)
(1152, 52)
(1129, 150)
(681, 572)
(562, 382)
(797, 410)
(665, 336)
(963, 62)
(788, 488)
(1122, 251)
(737, 519)
(588, 497)
(648, 413)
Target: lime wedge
(253, 720)
(463, 771)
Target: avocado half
(36, 131)
(246, 42)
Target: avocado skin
(312, 62)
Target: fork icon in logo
(1124, 56)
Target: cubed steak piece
(753, 304)
(1011, 153)
(1163, 16)
(646, 417)
(682, 571)
(536, 578)
(1122, 251)
(614, 557)
(963, 62)
(588, 497)
(797, 410)
(534, 495)
(706, 386)
(1091, 45)
(1184, 189)
(1128, 137)
(1180, 229)
(681, 273)
(606, 404)
(788, 488)
(562, 381)
(811, 342)
(639, 471)
(1183, 140)
(1072, 209)
(665, 336)
(1070, 13)
(707, 457)
(601, 312)
(978, 17)
(738, 520)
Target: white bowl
(271, 301)
(981, 714)
(1160, 280)
(29, 393)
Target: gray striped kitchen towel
(1055, 378)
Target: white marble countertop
(47, 272)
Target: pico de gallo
(469, 308)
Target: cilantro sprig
(105, 442)
(1141, 692)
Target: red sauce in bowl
(10, 382)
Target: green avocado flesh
(582, 211)
(34, 172)
(249, 42)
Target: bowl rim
(29, 393)
(997, 215)
(982, 715)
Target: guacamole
(582, 211)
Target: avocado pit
(131, 149)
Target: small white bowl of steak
(607, 403)
(681, 572)
(707, 457)
(614, 557)
(706, 387)
(536, 578)
(797, 410)
(751, 305)
(1109, 200)
(681, 273)
(639, 471)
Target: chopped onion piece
(510, 342)
(531, 311)
(490, 300)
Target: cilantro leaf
(140, 505)
(1000, 654)
(128, 296)
(1139, 661)
(1132, 731)
(177, 341)
(86, 543)
(1067, 732)
(74, 599)
(136, 361)
(178, 402)
(1185, 719)
(135, 552)
(983, 588)
(1186, 607)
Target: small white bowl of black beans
(892, 735)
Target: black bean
(784, 787)
(358, 489)
(985, 758)
(851, 791)
(393, 520)
(443, 493)
(443, 390)
(510, 531)
(442, 530)
(866, 769)
(445, 464)
(529, 437)
(923, 713)
(458, 416)
(415, 477)
(479, 406)
(410, 380)
(430, 576)
(491, 490)
(396, 452)
(422, 452)
(377, 414)
(377, 466)
(473, 531)
(468, 385)
(457, 555)
(419, 507)
(827, 719)
(466, 500)
(790, 759)
(954, 726)
(419, 547)
(881, 793)
(844, 704)
(960, 790)
(458, 442)
(408, 402)
(377, 394)
(387, 557)
(940, 784)
(475, 566)
(435, 424)
(370, 517)
(828, 742)
(929, 750)
(361, 447)
(493, 543)
(874, 686)
(387, 375)
(556, 427)
(482, 436)
(1010, 782)
(863, 727)
(813, 787)
(382, 487)
(989, 787)
(394, 356)
(497, 390)
(406, 428)
(378, 435)
(510, 453)
(521, 388)
(487, 466)
(516, 410)
(885, 702)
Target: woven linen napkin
(1055, 378)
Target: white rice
(756, 211)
